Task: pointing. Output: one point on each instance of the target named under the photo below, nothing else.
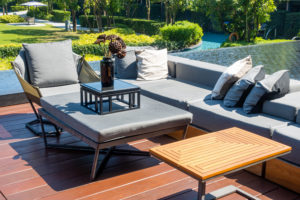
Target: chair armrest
(32, 92)
(87, 74)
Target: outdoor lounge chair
(33, 93)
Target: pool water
(211, 41)
(274, 56)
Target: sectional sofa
(189, 87)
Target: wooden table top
(218, 153)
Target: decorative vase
(107, 72)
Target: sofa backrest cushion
(198, 72)
(298, 117)
(126, 68)
(51, 64)
(285, 107)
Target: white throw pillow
(230, 76)
(152, 64)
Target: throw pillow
(239, 91)
(20, 65)
(230, 76)
(152, 64)
(51, 64)
(274, 86)
(126, 68)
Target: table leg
(263, 169)
(201, 190)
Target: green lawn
(13, 34)
(258, 40)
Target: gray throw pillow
(51, 64)
(126, 68)
(239, 91)
(274, 86)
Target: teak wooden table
(219, 153)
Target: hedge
(18, 8)
(60, 16)
(292, 24)
(11, 19)
(143, 26)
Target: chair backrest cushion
(20, 65)
(51, 64)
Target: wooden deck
(28, 171)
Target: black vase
(107, 72)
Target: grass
(14, 34)
(257, 40)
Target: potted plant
(115, 47)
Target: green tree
(3, 4)
(172, 7)
(74, 7)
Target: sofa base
(277, 171)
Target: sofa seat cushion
(174, 92)
(214, 116)
(50, 91)
(289, 135)
(285, 107)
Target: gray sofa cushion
(198, 72)
(126, 68)
(51, 64)
(239, 91)
(152, 116)
(298, 117)
(174, 92)
(51, 91)
(21, 65)
(289, 135)
(285, 107)
(212, 115)
(274, 86)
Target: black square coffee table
(121, 96)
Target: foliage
(39, 12)
(292, 24)
(60, 15)
(299, 33)
(9, 50)
(183, 32)
(172, 7)
(257, 40)
(148, 27)
(11, 19)
(18, 8)
(5, 63)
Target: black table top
(119, 86)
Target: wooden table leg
(263, 169)
(201, 190)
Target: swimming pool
(211, 41)
(274, 56)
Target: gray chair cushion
(77, 58)
(239, 91)
(174, 92)
(51, 64)
(126, 68)
(51, 91)
(212, 115)
(21, 65)
(285, 107)
(274, 86)
(152, 116)
(298, 117)
(289, 135)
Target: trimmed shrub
(183, 32)
(143, 26)
(11, 19)
(39, 12)
(60, 15)
(292, 24)
(18, 8)
(10, 50)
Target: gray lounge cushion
(239, 91)
(152, 116)
(298, 117)
(285, 107)
(126, 68)
(21, 65)
(274, 86)
(289, 135)
(51, 91)
(212, 115)
(51, 64)
(175, 92)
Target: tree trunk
(97, 13)
(74, 20)
(166, 13)
(6, 9)
(148, 5)
(3, 10)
